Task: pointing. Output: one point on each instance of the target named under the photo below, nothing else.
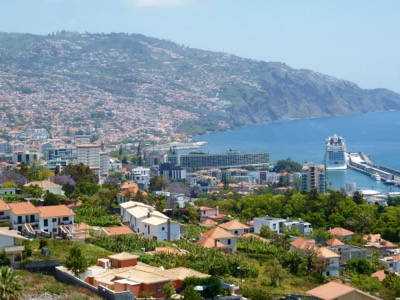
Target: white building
(89, 154)
(57, 219)
(277, 224)
(148, 222)
(142, 177)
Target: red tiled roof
(217, 233)
(334, 242)
(118, 230)
(4, 206)
(303, 244)
(55, 211)
(23, 208)
(380, 274)
(233, 225)
(340, 231)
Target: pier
(361, 162)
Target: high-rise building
(89, 154)
(313, 176)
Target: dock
(361, 162)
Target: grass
(35, 284)
(60, 250)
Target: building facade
(313, 177)
(231, 159)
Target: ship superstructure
(335, 156)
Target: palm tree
(10, 284)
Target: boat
(376, 176)
(335, 155)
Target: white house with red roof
(24, 216)
(57, 219)
(220, 235)
(235, 227)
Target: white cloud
(157, 3)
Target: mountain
(116, 82)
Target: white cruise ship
(335, 156)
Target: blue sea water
(376, 134)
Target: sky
(355, 40)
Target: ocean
(376, 134)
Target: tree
(76, 261)
(34, 190)
(266, 232)
(168, 290)
(190, 294)
(4, 259)
(52, 199)
(276, 273)
(158, 201)
(80, 173)
(287, 165)
(10, 284)
(158, 183)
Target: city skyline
(353, 40)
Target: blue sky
(356, 40)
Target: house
(122, 272)
(11, 242)
(235, 227)
(220, 235)
(341, 233)
(128, 191)
(24, 216)
(375, 241)
(161, 228)
(331, 258)
(206, 212)
(277, 224)
(347, 252)
(148, 222)
(392, 262)
(335, 290)
(48, 186)
(57, 219)
(210, 243)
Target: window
(54, 220)
(229, 241)
(236, 232)
(1, 213)
(163, 228)
(65, 218)
(45, 222)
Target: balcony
(69, 222)
(14, 249)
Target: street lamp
(201, 288)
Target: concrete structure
(313, 177)
(11, 242)
(89, 154)
(231, 159)
(142, 177)
(59, 155)
(171, 172)
(26, 157)
(277, 224)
